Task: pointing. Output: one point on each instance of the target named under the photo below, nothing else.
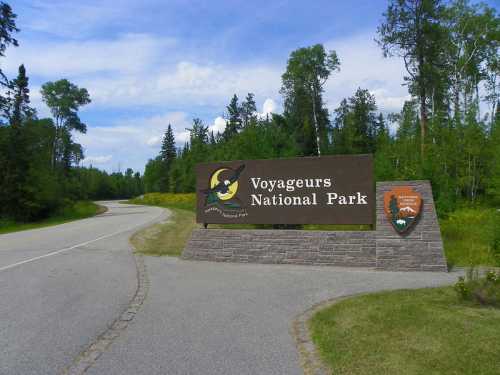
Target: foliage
(166, 238)
(181, 201)
(483, 289)
(450, 50)
(307, 71)
(468, 236)
(73, 211)
(38, 157)
(425, 331)
(64, 99)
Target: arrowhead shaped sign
(402, 205)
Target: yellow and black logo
(223, 186)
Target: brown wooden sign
(309, 190)
(402, 205)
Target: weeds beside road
(76, 211)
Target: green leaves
(64, 99)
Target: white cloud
(385, 100)
(97, 159)
(133, 141)
(154, 141)
(144, 71)
(185, 83)
(126, 54)
(182, 137)
(218, 126)
(362, 65)
(269, 106)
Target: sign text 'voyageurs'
(309, 190)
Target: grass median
(76, 211)
(425, 331)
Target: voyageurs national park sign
(307, 190)
(337, 189)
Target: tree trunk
(316, 126)
(423, 123)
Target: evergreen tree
(17, 108)
(355, 128)
(248, 110)
(234, 121)
(168, 153)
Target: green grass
(78, 210)
(187, 201)
(426, 331)
(167, 238)
(183, 201)
(468, 233)
(468, 236)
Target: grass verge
(425, 331)
(469, 235)
(79, 210)
(166, 238)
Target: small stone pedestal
(419, 249)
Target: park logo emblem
(221, 195)
(402, 206)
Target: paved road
(62, 286)
(214, 318)
(199, 317)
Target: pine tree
(248, 110)
(168, 154)
(17, 100)
(14, 182)
(168, 150)
(234, 121)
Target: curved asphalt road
(62, 286)
(199, 317)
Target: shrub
(495, 245)
(481, 288)
(185, 201)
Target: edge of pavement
(93, 351)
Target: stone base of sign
(355, 249)
(420, 249)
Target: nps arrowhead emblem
(402, 205)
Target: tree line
(448, 132)
(39, 159)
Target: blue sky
(150, 63)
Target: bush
(495, 245)
(468, 234)
(185, 201)
(483, 289)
